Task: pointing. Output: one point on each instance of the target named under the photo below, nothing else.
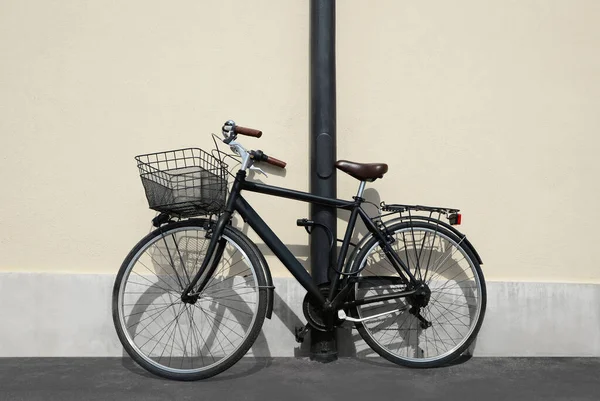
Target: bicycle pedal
(300, 333)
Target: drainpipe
(322, 156)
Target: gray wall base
(63, 315)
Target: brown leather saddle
(362, 171)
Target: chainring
(314, 314)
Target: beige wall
(487, 106)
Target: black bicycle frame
(237, 203)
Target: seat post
(361, 189)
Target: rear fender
(366, 238)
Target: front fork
(216, 246)
(209, 264)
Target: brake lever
(259, 170)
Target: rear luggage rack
(418, 208)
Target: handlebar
(276, 162)
(231, 130)
(248, 131)
(260, 156)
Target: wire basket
(184, 182)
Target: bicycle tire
(232, 293)
(451, 284)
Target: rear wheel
(437, 324)
(201, 337)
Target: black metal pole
(322, 155)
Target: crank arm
(342, 315)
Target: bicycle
(191, 297)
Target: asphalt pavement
(289, 379)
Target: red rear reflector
(455, 219)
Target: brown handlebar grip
(248, 131)
(276, 162)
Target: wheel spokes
(179, 336)
(453, 307)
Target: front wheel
(205, 335)
(439, 323)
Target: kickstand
(424, 323)
(300, 333)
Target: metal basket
(184, 182)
